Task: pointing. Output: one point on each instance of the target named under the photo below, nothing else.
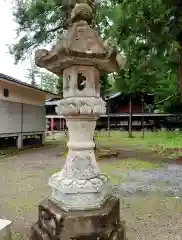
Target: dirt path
(23, 183)
(23, 179)
(152, 217)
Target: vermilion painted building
(120, 103)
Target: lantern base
(79, 194)
(55, 223)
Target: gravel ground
(150, 215)
(166, 180)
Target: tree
(45, 80)
(147, 31)
(105, 85)
(144, 30)
(51, 82)
(59, 86)
(39, 22)
(48, 81)
(31, 74)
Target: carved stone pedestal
(80, 206)
(56, 224)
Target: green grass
(16, 236)
(156, 141)
(117, 170)
(152, 140)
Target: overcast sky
(7, 36)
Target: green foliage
(145, 31)
(39, 21)
(105, 86)
(156, 141)
(51, 82)
(59, 86)
(31, 75)
(45, 80)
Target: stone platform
(102, 224)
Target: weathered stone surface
(80, 206)
(80, 185)
(102, 224)
(82, 12)
(79, 56)
(87, 106)
(81, 45)
(81, 81)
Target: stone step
(5, 229)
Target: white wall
(11, 120)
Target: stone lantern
(81, 205)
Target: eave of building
(11, 80)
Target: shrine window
(81, 81)
(6, 92)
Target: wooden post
(130, 118)
(63, 124)
(142, 100)
(108, 118)
(47, 126)
(108, 115)
(60, 126)
(52, 128)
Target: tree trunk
(130, 118)
(180, 67)
(108, 118)
(142, 117)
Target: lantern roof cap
(81, 45)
